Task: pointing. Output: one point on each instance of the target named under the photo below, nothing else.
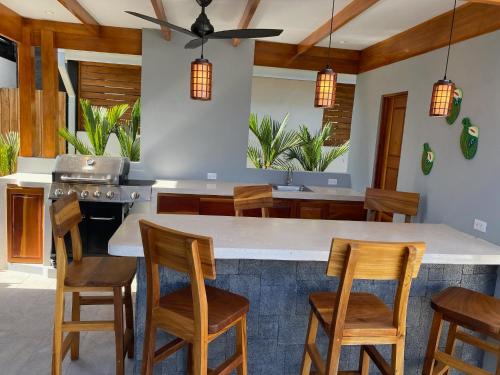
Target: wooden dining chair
(253, 197)
(381, 204)
(197, 314)
(88, 274)
(362, 318)
(465, 310)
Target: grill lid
(90, 169)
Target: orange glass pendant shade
(201, 79)
(442, 98)
(326, 88)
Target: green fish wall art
(469, 139)
(427, 159)
(455, 106)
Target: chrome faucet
(289, 176)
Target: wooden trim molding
(471, 20)
(162, 15)
(347, 14)
(280, 55)
(81, 13)
(491, 2)
(246, 18)
(11, 25)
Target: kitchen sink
(291, 188)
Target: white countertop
(306, 240)
(200, 187)
(28, 179)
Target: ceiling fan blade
(195, 43)
(162, 23)
(244, 33)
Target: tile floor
(26, 312)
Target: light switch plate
(332, 181)
(480, 225)
(211, 176)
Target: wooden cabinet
(25, 224)
(284, 208)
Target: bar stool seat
(366, 314)
(100, 272)
(224, 308)
(469, 309)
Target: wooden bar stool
(253, 197)
(382, 204)
(362, 318)
(88, 274)
(197, 314)
(468, 309)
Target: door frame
(381, 135)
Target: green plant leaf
(72, 139)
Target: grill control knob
(97, 194)
(58, 192)
(110, 194)
(134, 195)
(84, 194)
(71, 191)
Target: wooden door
(25, 224)
(390, 140)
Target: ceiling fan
(202, 29)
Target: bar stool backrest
(252, 197)
(350, 260)
(391, 202)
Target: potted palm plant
(309, 152)
(273, 140)
(9, 151)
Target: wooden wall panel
(50, 83)
(340, 115)
(108, 85)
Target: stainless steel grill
(97, 178)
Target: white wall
(277, 96)
(8, 73)
(457, 190)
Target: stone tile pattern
(277, 322)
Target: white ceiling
(297, 17)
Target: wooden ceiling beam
(347, 14)
(279, 55)
(471, 20)
(81, 13)
(248, 14)
(162, 15)
(11, 24)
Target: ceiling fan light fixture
(201, 79)
(326, 88)
(442, 98)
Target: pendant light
(201, 78)
(443, 90)
(326, 79)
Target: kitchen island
(276, 263)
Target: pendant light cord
(331, 30)
(449, 42)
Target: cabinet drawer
(178, 204)
(346, 210)
(216, 206)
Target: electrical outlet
(480, 225)
(211, 176)
(332, 181)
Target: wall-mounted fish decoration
(469, 139)
(427, 159)
(455, 106)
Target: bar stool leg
(118, 307)
(58, 333)
(497, 372)
(398, 357)
(241, 345)
(432, 346)
(312, 331)
(450, 342)
(189, 366)
(200, 357)
(148, 347)
(129, 320)
(364, 362)
(75, 317)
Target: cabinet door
(312, 210)
(346, 210)
(218, 206)
(178, 204)
(283, 208)
(25, 225)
